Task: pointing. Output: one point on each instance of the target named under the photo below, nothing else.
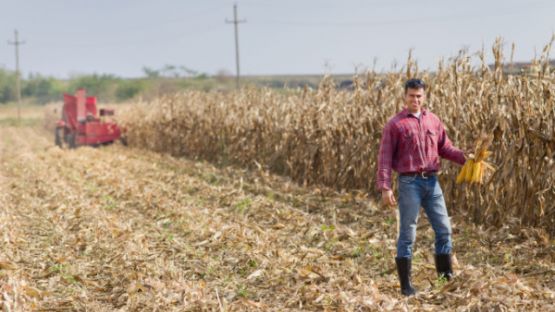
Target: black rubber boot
(444, 266)
(404, 266)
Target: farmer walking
(412, 143)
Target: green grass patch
(109, 202)
(327, 228)
(242, 206)
(441, 281)
(242, 291)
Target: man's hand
(468, 154)
(388, 199)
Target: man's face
(414, 98)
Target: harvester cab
(81, 125)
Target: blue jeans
(416, 192)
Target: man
(412, 143)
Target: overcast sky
(69, 37)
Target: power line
(236, 22)
(17, 43)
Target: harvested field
(125, 229)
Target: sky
(65, 38)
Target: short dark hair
(414, 84)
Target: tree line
(42, 89)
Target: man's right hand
(388, 199)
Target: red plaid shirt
(410, 144)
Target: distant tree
(201, 76)
(189, 72)
(171, 71)
(127, 89)
(103, 86)
(7, 86)
(151, 73)
(44, 89)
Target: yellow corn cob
(462, 174)
(468, 175)
(481, 175)
(476, 168)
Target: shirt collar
(406, 112)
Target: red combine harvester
(80, 124)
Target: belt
(423, 174)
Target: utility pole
(236, 22)
(16, 43)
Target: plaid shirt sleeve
(385, 157)
(447, 150)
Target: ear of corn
(473, 169)
(462, 174)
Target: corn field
(331, 137)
